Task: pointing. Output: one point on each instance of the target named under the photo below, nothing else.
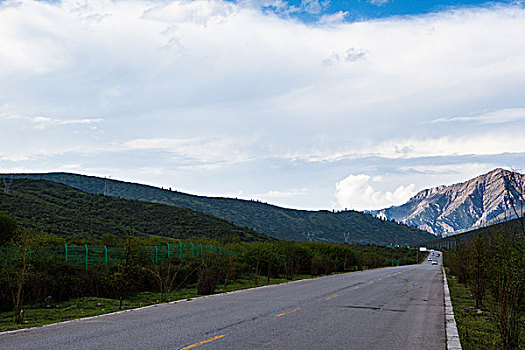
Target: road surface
(390, 308)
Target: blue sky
(314, 105)
(362, 10)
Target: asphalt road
(389, 308)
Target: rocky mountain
(444, 209)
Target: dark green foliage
(8, 228)
(211, 272)
(64, 211)
(278, 222)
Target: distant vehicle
(429, 259)
(434, 262)
(437, 254)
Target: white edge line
(451, 330)
(181, 301)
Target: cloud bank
(357, 192)
(225, 96)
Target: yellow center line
(356, 287)
(380, 279)
(330, 297)
(370, 282)
(388, 275)
(288, 312)
(203, 342)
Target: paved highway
(390, 308)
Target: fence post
(65, 245)
(191, 249)
(106, 248)
(180, 250)
(168, 250)
(156, 255)
(29, 252)
(201, 249)
(86, 255)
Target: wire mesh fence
(87, 254)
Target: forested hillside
(275, 221)
(59, 209)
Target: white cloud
(357, 192)
(202, 12)
(418, 147)
(272, 194)
(214, 150)
(350, 55)
(314, 7)
(466, 170)
(43, 122)
(333, 18)
(495, 117)
(378, 2)
(486, 144)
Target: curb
(453, 341)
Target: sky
(307, 104)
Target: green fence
(100, 254)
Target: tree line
(492, 265)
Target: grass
(475, 331)
(52, 312)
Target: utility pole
(106, 186)
(310, 236)
(346, 235)
(7, 185)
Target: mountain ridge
(62, 210)
(282, 223)
(445, 209)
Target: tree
(478, 268)
(23, 267)
(210, 274)
(110, 240)
(508, 283)
(515, 188)
(166, 274)
(123, 281)
(8, 229)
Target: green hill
(511, 226)
(275, 221)
(66, 211)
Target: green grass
(475, 331)
(51, 312)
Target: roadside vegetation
(487, 285)
(36, 289)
